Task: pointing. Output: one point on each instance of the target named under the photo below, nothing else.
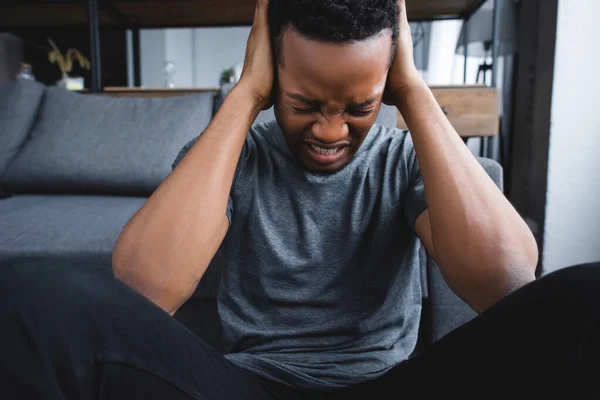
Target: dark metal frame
(93, 12)
(486, 148)
(532, 111)
(95, 50)
(137, 57)
(95, 56)
(93, 8)
(96, 85)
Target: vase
(70, 82)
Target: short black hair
(334, 21)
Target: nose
(330, 129)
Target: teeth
(325, 152)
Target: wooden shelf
(181, 13)
(473, 110)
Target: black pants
(71, 332)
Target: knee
(578, 274)
(48, 284)
(577, 284)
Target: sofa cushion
(73, 227)
(76, 228)
(19, 104)
(96, 144)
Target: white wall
(217, 49)
(572, 231)
(444, 65)
(179, 45)
(199, 55)
(153, 55)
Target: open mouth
(326, 155)
(325, 152)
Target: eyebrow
(303, 99)
(308, 101)
(367, 102)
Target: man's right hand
(258, 71)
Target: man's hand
(258, 71)
(403, 73)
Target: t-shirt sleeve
(415, 203)
(181, 155)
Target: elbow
(484, 278)
(512, 269)
(521, 264)
(520, 257)
(129, 256)
(129, 267)
(121, 258)
(125, 267)
(120, 268)
(137, 269)
(137, 274)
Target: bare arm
(165, 248)
(483, 247)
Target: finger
(261, 12)
(402, 10)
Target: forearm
(166, 247)
(483, 247)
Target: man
(319, 215)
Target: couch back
(11, 56)
(66, 142)
(57, 141)
(19, 104)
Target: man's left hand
(403, 73)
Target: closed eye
(360, 112)
(305, 110)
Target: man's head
(332, 59)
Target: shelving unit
(141, 14)
(181, 13)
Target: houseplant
(65, 64)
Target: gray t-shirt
(321, 283)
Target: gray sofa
(74, 168)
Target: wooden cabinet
(472, 110)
